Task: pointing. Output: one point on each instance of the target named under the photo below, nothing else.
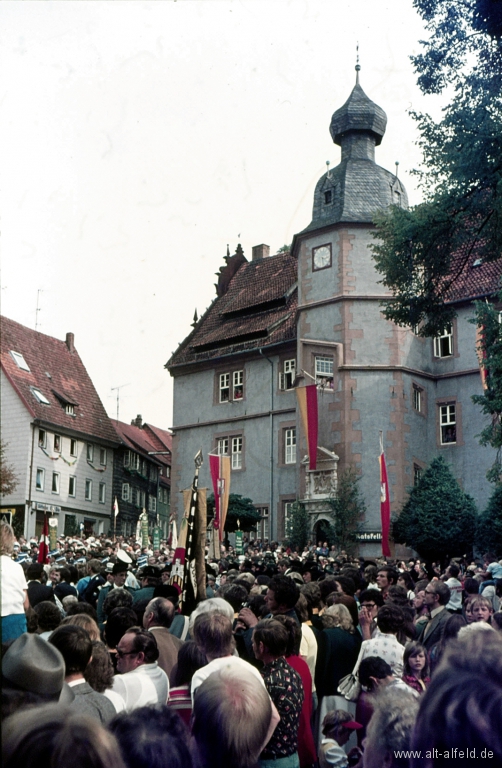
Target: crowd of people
(293, 659)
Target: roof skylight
(20, 361)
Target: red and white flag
(219, 467)
(384, 501)
(43, 546)
(307, 404)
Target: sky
(138, 139)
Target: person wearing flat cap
(33, 673)
(149, 578)
(118, 577)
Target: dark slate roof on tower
(258, 309)
(357, 188)
(358, 113)
(48, 377)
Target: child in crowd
(416, 666)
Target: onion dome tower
(357, 188)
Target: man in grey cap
(33, 673)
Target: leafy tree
(439, 519)
(490, 346)
(422, 251)
(239, 508)
(347, 511)
(489, 525)
(8, 478)
(298, 527)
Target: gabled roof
(258, 309)
(57, 372)
(146, 440)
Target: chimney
(260, 252)
(70, 341)
(138, 421)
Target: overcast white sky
(139, 138)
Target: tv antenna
(118, 396)
(38, 308)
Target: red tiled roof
(143, 440)
(258, 309)
(474, 277)
(59, 375)
(161, 438)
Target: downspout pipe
(271, 420)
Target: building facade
(314, 314)
(142, 476)
(57, 435)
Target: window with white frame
(448, 423)
(262, 527)
(69, 409)
(88, 490)
(72, 486)
(230, 386)
(73, 447)
(57, 443)
(90, 452)
(42, 438)
(102, 493)
(38, 395)
(40, 481)
(290, 445)
(417, 474)
(224, 387)
(102, 457)
(152, 503)
(324, 368)
(126, 492)
(222, 446)
(20, 361)
(417, 398)
(55, 482)
(237, 452)
(135, 462)
(443, 344)
(238, 385)
(287, 375)
(127, 458)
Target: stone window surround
(229, 435)
(455, 352)
(458, 421)
(423, 392)
(230, 369)
(281, 453)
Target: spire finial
(328, 169)
(358, 66)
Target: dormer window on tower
(328, 196)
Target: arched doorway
(321, 531)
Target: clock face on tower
(321, 257)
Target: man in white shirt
(140, 680)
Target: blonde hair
(86, 622)
(338, 615)
(8, 539)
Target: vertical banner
(307, 403)
(189, 555)
(144, 529)
(481, 354)
(384, 501)
(239, 549)
(219, 467)
(53, 533)
(43, 547)
(156, 536)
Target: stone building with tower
(314, 314)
